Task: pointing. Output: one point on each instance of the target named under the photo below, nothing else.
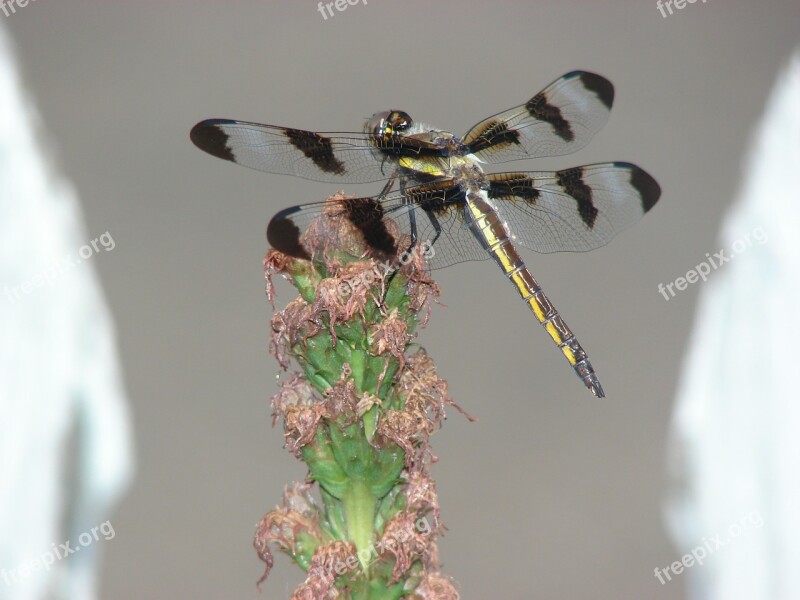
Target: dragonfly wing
(573, 210)
(331, 157)
(433, 212)
(559, 120)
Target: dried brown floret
(436, 586)
(391, 335)
(338, 307)
(342, 398)
(425, 391)
(406, 429)
(407, 543)
(329, 560)
(298, 513)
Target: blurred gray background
(553, 494)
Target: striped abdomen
(485, 223)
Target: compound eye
(400, 121)
(376, 124)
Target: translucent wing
(332, 157)
(433, 211)
(560, 119)
(573, 210)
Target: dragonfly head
(389, 122)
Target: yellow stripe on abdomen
(487, 227)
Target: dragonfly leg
(387, 188)
(437, 227)
(412, 222)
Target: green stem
(359, 512)
(358, 365)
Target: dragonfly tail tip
(596, 389)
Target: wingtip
(647, 186)
(598, 84)
(209, 137)
(284, 235)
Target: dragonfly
(445, 196)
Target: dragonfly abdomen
(485, 223)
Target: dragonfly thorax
(467, 173)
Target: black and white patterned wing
(434, 211)
(573, 210)
(559, 120)
(335, 157)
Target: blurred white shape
(735, 447)
(60, 382)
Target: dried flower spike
(360, 414)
